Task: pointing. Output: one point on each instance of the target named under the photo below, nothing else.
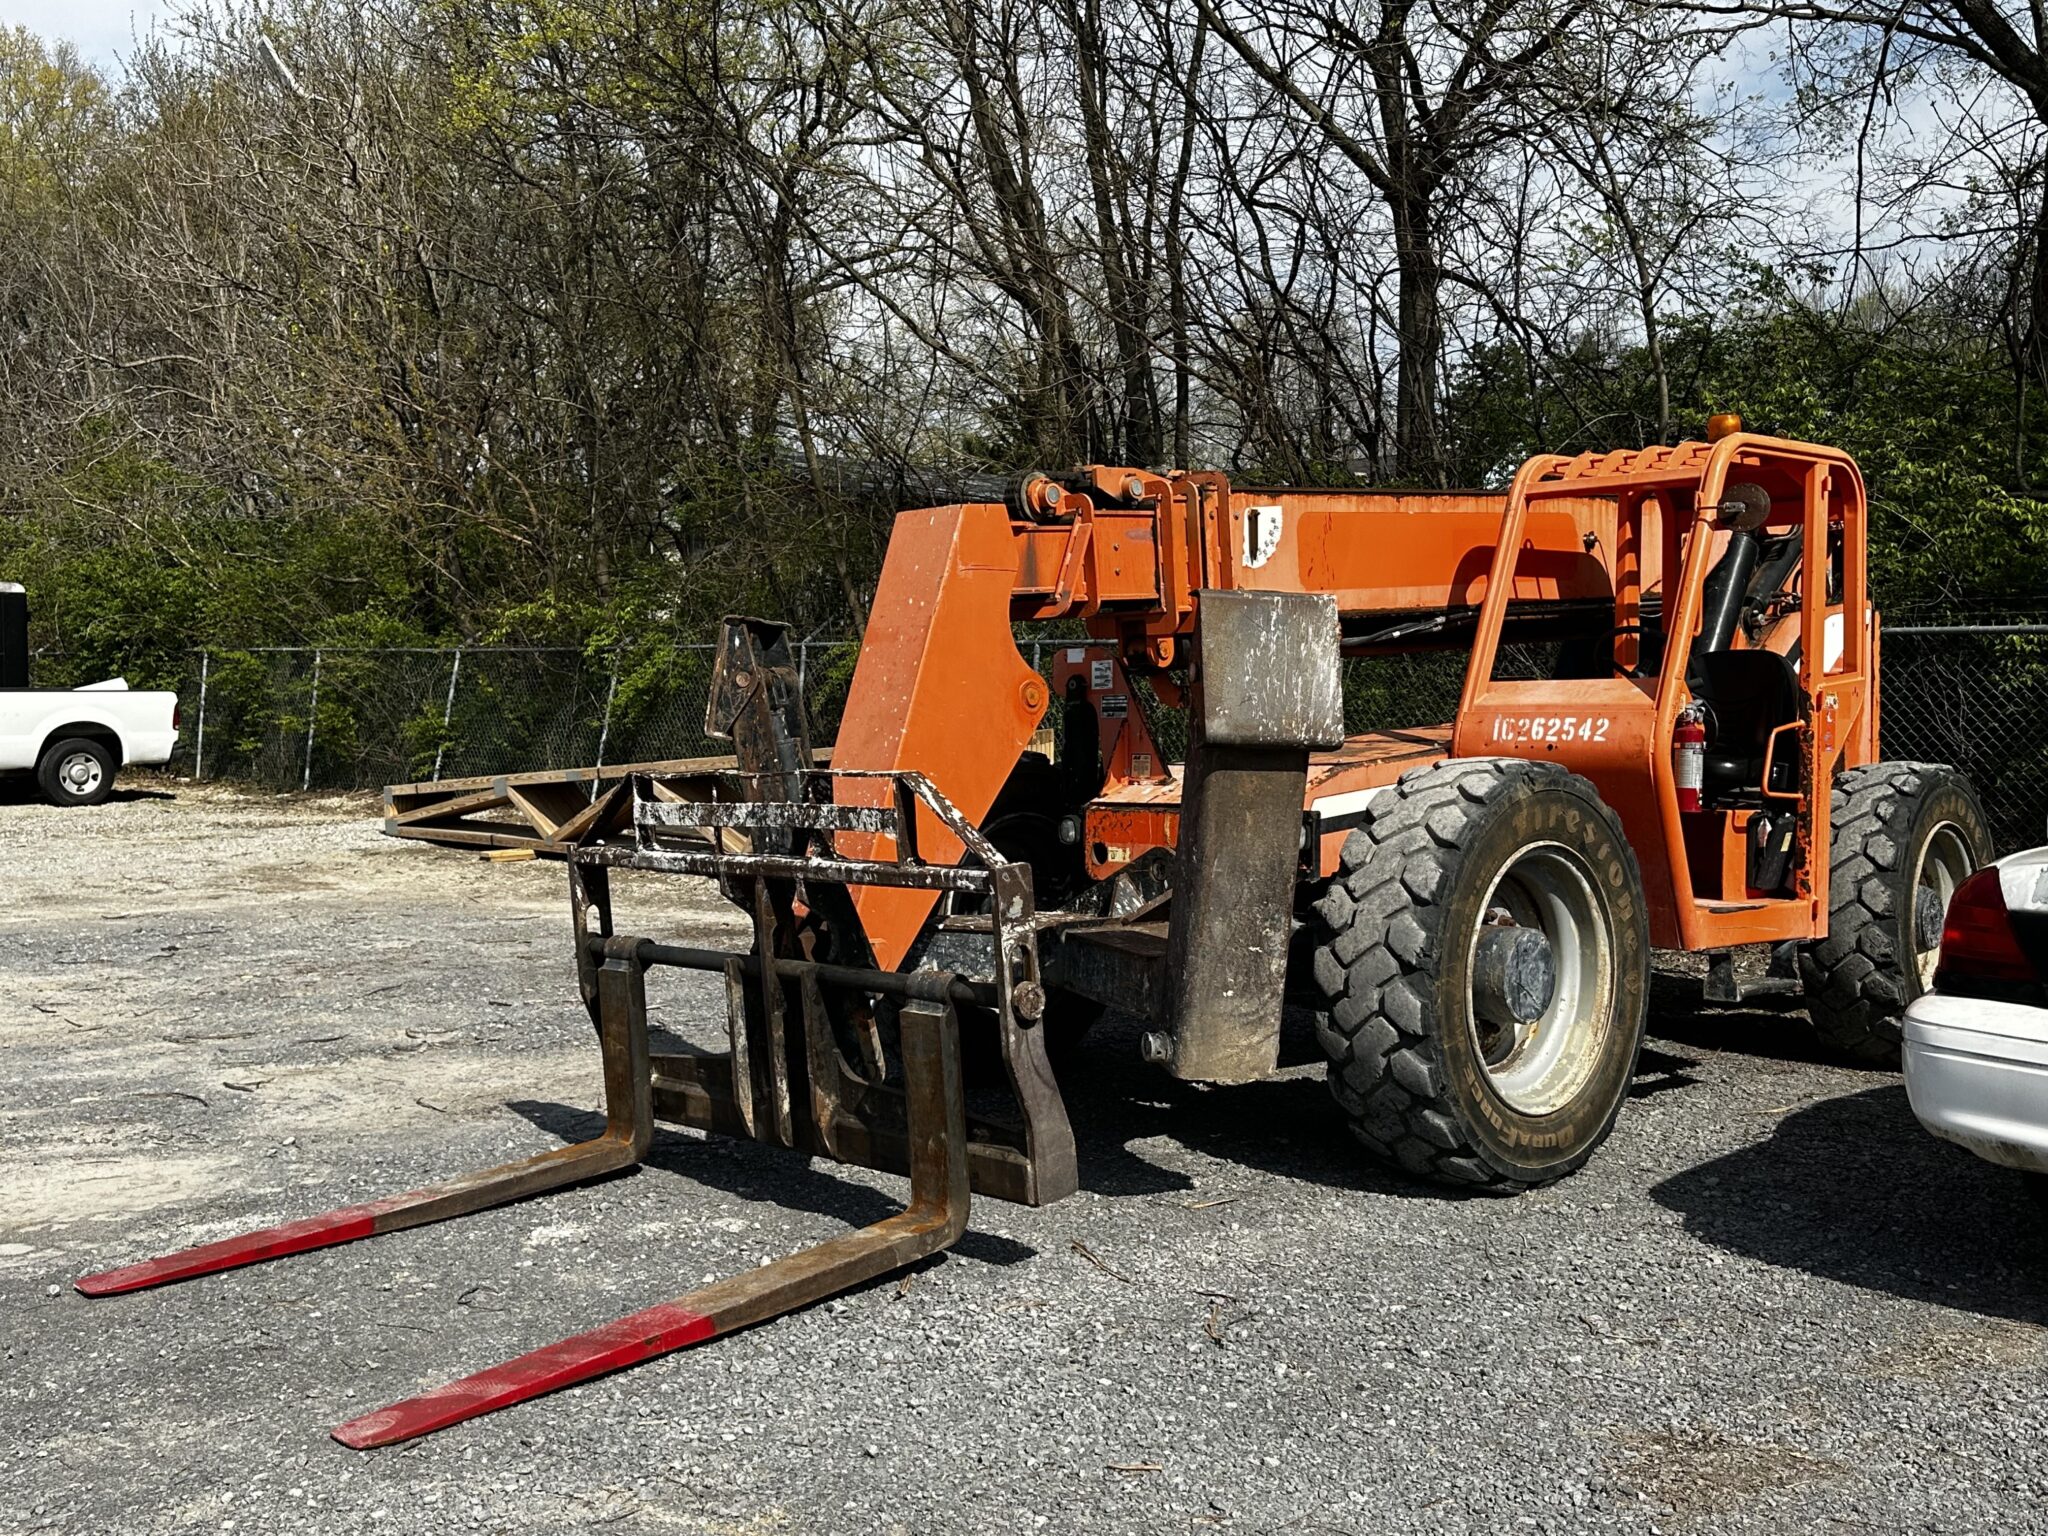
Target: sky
(104, 31)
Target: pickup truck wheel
(1905, 835)
(1484, 971)
(76, 771)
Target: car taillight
(177, 717)
(1977, 941)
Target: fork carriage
(807, 1064)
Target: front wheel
(1483, 971)
(76, 771)
(1902, 837)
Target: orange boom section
(942, 690)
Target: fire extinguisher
(1689, 757)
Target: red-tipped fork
(933, 1221)
(628, 1132)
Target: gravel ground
(1771, 1304)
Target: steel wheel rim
(1545, 1064)
(80, 773)
(1945, 863)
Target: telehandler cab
(1667, 738)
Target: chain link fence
(335, 718)
(1972, 695)
(1975, 696)
(331, 718)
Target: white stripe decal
(1349, 800)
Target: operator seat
(1748, 694)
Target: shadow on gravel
(1287, 1126)
(24, 791)
(1852, 1189)
(752, 1171)
(1283, 1125)
(1771, 1028)
(1748, 1029)
(1660, 1072)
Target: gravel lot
(1770, 1305)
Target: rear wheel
(77, 771)
(1483, 971)
(1903, 836)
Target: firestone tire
(1424, 1081)
(1902, 837)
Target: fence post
(604, 731)
(447, 711)
(312, 714)
(199, 746)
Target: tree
(1848, 52)
(1414, 97)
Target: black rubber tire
(1024, 825)
(2037, 1188)
(1396, 1020)
(56, 790)
(1860, 977)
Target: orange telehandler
(1667, 738)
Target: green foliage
(1930, 415)
(142, 602)
(51, 111)
(1930, 418)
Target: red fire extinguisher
(1689, 757)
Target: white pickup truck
(74, 740)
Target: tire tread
(1382, 923)
(1856, 989)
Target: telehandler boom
(1666, 738)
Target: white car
(1976, 1046)
(74, 740)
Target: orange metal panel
(1130, 819)
(1095, 672)
(1380, 552)
(1375, 551)
(939, 688)
(1602, 728)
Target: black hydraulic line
(1726, 586)
(1775, 569)
(911, 986)
(1407, 629)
